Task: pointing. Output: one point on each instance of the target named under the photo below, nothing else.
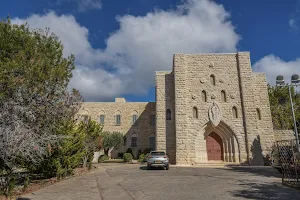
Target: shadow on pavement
(152, 168)
(20, 198)
(261, 171)
(266, 191)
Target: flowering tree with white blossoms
(34, 95)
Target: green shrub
(26, 183)
(143, 158)
(103, 158)
(8, 186)
(120, 155)
(146, 150)
(127, 157)
(129, 150)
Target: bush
(129, 150)
(146, 157)
(127, 157)
(143, 158)
(103, 158)
(120, 155)
(146, 150)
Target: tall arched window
(195, 113)
(234, 112)
(102, 117)
(223, 96)
(134, 117)
(203, 94)
(118, 118)
(258, 114)
(168, 114)
(212, 80)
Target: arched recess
(231, 146)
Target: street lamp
(295, 80)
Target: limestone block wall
(142, 128)
(283, 135)
(263, 122)
(165, 129)
(199, 69)
(183, 140)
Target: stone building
(209, 108)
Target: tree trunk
(85, 159)
(106, 150)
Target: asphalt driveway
(134, 182)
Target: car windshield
(158, 153)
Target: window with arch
(168, 114)
(212, 80)
(134, 117)
(195, 113)
(118, 118)
(102, 117)
(203, 95)
(223, 96)
(234, 112)
(258, 113)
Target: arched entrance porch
(214, 147)
(220, 141)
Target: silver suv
(158, 159)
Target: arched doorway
(214, 147)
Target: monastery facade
(209, 108)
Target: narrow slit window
(168, 114)
(223, 96)
(258, 114)
(195, 113)
(212, 80)
(234, 112)
(203, 94)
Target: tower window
(258, 113)
(234, 112)
(212, 80)
(223, 96)
(168, 114)
(195, 113)
(203, 94)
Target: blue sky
(120, 44)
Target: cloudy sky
(120, 44)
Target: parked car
(158, 159)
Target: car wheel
(148, 167)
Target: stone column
(181, 119)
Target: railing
(289, 159)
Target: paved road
(134, 182)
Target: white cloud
(292, 23)
(83, 5)
(274, 66)
(141, 46)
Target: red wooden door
(214, 147)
